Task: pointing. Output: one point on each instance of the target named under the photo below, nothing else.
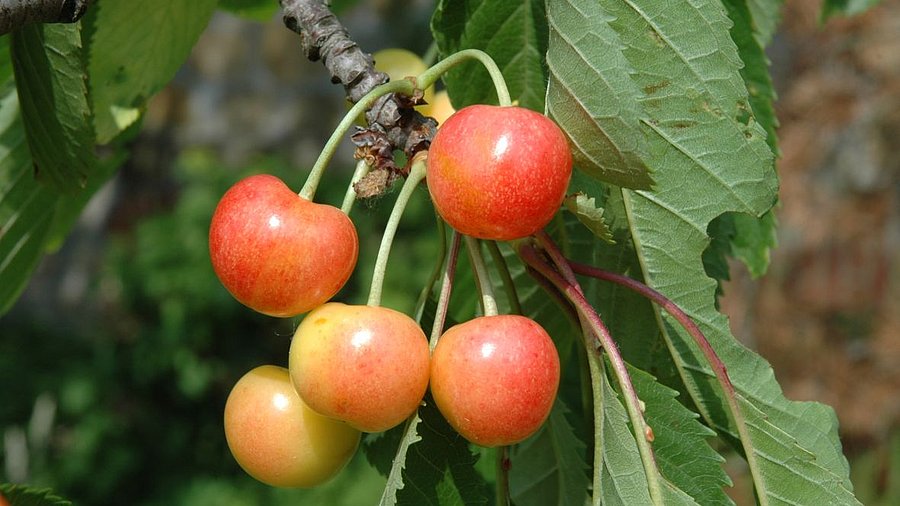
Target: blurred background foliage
(117, 360)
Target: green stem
(489, 305)
(503, 476)
(595, 368)
(688, 324)
(587, 393)
(362, 168)
(488, 302)
(416, 174)
(443, 304)
(404, 86)
(589, 316)
(509, 286)
(430, 76)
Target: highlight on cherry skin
(277, 439)
(365, 365)
(279, 253)
(495, 378)
(498, 173)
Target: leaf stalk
(416, 175)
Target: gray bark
(16, 13)
(394, 124)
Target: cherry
(498, 173)
(495, 378)
(277, 252)
(277, 439)
(365, 365)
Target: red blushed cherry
(495, 378)
(278, 253)
(498, 173)
(364, 365)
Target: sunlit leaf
(591, 95)
(681, 443)
(130, 61)
(585, 209)
(710, 157)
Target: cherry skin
(365, 365)
(495, 378)
(277, 252)
(498, 173)
(277, 439)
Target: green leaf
(22, 495)
(440, 467)
(134, 49)
(591, 96)
(438, 470)
(622, 479)
(709, 157)
(765, 16)
(514, 33)
(755, 71)
(395, 478)
(715, 257)
(26, 206)
(256, 10)
(585, 209)
(681, 443)
(50, 70)
(34, 217)
(793, 463)
(754, 239)
(741, 236)
(549, 467)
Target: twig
(18, 13)
(393, 123)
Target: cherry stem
(597, 378)
(488, 302)
(443, 304)
(362, 168)
(503, 476)
(509, 286)
(430, 76)
(404, 86)
(718, 367)
(416, 174)
(563, 280)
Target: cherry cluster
(497, 173)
